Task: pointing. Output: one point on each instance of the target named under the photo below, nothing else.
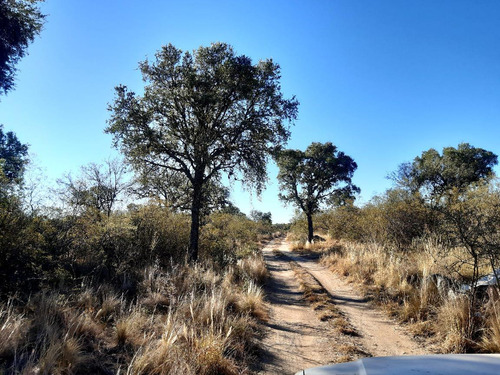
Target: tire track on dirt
(379, 335)
(295, 338)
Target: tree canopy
(20, 22)
(433, 174)
(203, 114)
(262, 217)
(319, 174)
(172, 189)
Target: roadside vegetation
(92, 293)
(145, 266)
(422, 249)
(100, 293)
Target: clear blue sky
(383, 80)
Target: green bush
(226, 236)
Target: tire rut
(379, 335)
(295, 339)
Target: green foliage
(431, 192)
(318, 175)
(343, 222)
(456, 168)
(450, 197)
(20, 253)
(227, 237)
(455, 186)
(20, 22)
(471, 220)
(161, 234)
(13, 156)
(37, 251)
(395, 219)
(19, 246)
(298, 228)
(263, 217)
(203, 114)
(118, 246)
(403, 217)
(172, 189)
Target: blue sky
(383, 80)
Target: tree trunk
(310, 232)
(195, 223)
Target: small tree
(320, 174)
(97, 189)
(201, 115)
(455, 185)
(261, 217)
(20, 22)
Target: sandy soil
(296, 339)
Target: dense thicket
(96, 293)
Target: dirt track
(297, 339)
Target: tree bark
(195, 223)
(310, 232)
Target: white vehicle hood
(441, 364)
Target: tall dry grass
(401, 283)
(491, 338)
(187, 320)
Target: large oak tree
(203, 114)
(319, 174)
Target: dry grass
(189, 320)
(131, 328)
(254, 268)
(349, 352)
(454, 321)
(13, 328)
(251, 302)
(491, 340)
(322, 247)
(400, 283)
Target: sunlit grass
(185, 321)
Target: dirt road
(297, 339)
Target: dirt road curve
(297, 339)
